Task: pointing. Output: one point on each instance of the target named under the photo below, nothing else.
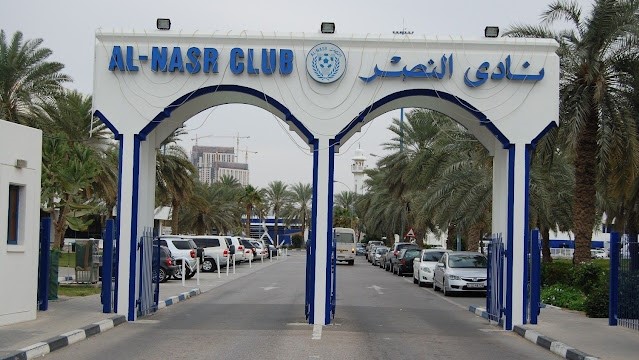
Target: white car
(599, 253)
(424, 266)
(234, 241)
(459, 271)
(182, 250)
(214, 248)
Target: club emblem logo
(325, 63)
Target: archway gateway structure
(326, 87)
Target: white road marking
(377, 288)
(317, 332)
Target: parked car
(215, 248)
(182, 250)
(260, 247)
(236, 248)
(459, 271)
(424, 266)
(360, 249)
(345, 243)
(378, 254)
(599, 253)
(369, 246)
(370, 253)
(391, 256)
(166, 267)
(404, 263)
(249, 250)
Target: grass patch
(78, 290)
(566, 297)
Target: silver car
(459, 271)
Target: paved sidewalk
(572, 335)
(72, 319)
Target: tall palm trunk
(545, 244)
(585, 191)
(248, 219)
(451, 237)
(474, 237)
(175, 217)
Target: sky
(68, 28)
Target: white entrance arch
(504, 91)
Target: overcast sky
(68, 29)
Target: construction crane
(246, 152)
(236, 137)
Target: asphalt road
(260, 316)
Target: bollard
(250, 266)
(286, 251)
(233, 263)
(228, 263)
(183, 271)
(197, 269)
(217, 261)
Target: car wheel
(435, 288)
(399, 271)
(208, 265)
(190, 274)
(162, 275)
(415, 281)
(351, 263)
(421, 283)
(444, 291)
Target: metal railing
(495, 288)
(624, 283)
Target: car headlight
(426, 269)
(453, 277)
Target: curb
(547, 343)
(553, 345)
(68, 338)
(58, 342)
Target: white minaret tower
(357, 168)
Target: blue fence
(109, 269)
(149, 268)
(535, 276)
(624, 283)
(44, 264)
(495, 289)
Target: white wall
(19, 263)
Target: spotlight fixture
(163, 24)
(491, 31)
(327, 28)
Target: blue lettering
(237, 67)
(286, 61)
(129, 59)
(194, 60)
(210, 60)
(269, 58)
(251, 69)
(158, 59)
(116, 59)
(176, 60)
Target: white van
(345, 242)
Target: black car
(167, 266)
(248, 246)
(404, 264)
(390, 259)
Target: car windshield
(412, 252)
(381, 250)
(467, 261)
(432, 256)
(344, 238)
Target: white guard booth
(325, 87)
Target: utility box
(87, 261)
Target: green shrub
(596, 305)
(563, 296)
(628, 294)
(556, 272)
(297, 241)
(589, 276)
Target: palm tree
(250, 198)
(595, 56)
(174, 180)
(27, 79)
(300, 204)
(277, 196)
(209, 207)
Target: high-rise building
(213, 162)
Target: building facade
(20, 169)
(214, 162)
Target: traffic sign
(410, 233)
